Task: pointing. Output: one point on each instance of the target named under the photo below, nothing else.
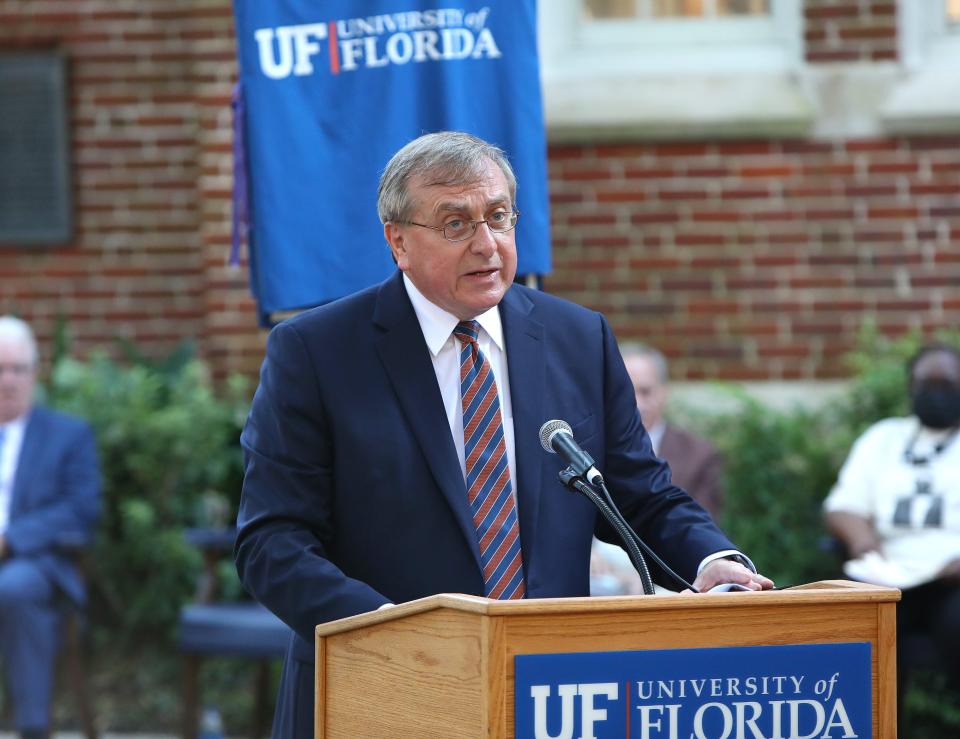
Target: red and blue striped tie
(489, 490)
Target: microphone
(556, 437)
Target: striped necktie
(489, 490)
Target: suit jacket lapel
(29, 447)
(406, 359)
(526, 363)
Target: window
(928, 99)
(952, 8)
(930, 33)
(35, 198)
(672, 67)
(595, 9)
(647, 36)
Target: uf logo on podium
(813, 691)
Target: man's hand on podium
(724, 571)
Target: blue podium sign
(805, 691)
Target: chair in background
(76, 669)
(212, 628)
(73, 652)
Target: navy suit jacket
(353, 495)
(56, 496)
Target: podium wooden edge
(811, 592)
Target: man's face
(651, 393)
(464, 278)
(17, 377)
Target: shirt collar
(437, 324)
(17, 424)
(655, 433)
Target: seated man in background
(695, 464)
(896, 506)
(49, 502)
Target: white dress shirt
(437, 326)
(9, 454)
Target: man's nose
(483, 241)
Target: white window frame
(672, 76)
(926, 39)
(928, 99)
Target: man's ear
(394, 236)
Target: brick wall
(759, 260)
(850, 30)
(746, 260)
(150, 84)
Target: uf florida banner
(803, 691)
(332, 88)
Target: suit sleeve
(286, 521)
(68, 519)
(666, 518)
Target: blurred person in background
(695, 464)
(49, 502)
(896, 507)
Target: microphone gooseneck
(556, 436)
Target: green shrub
(164, 439)
(169, 458)
(778, 465)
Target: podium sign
(796, 691)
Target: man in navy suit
(49, 502)
(358, 471)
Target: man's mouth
(483, 272)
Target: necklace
(920, 460)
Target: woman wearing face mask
(896, 505)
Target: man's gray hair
(445, 158)
(637, 349)
(14, 329)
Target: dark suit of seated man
(49, 502)
(392, 449)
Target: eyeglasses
(460, 229)
(17, 370)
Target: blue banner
(773, 692)
(333, 89)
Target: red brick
(936, 188)
(905, 167)
(814, 12)
(899, 213)
(767, 171)
(633, 172)
(868, 32)
(660, 216)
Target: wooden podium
(444, 666)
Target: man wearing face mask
(896, 505)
